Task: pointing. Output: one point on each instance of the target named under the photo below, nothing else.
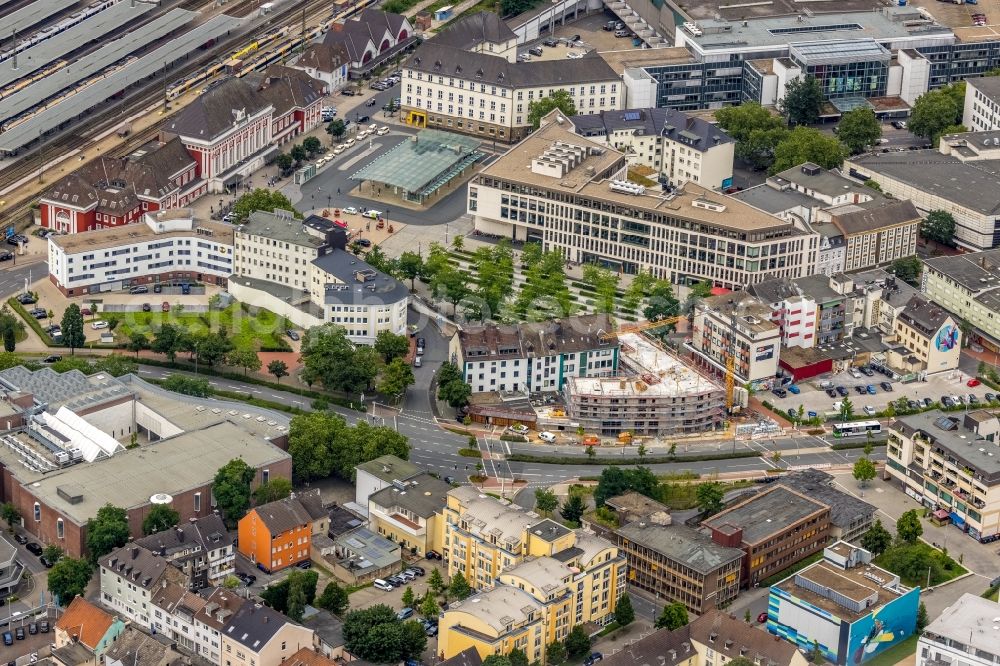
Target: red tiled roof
(86, 622)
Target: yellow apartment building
(410, 512)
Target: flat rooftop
(767, 25)
(631, 58)
(682, 545)
(851, 583)
(498, 607)
(81, 68)
(971, 621)
(774, 201)
(57, 46)
(648, 359)
(964, 445)
(683, 382)
(132, 234)
(771, 512)
(72, 106)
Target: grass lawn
(910, 564)
(247, 329)
(895, 654)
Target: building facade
(411, 512)
(944, 462)
(570, 194)
(168, 246)
(981, 112)
(963, 633)
(967, 286)
(130, 576)
(931, 334)
(201, 547)
(278, 534)
(681, 148)
(737, 324)
(539, 356)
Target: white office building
(965, 634)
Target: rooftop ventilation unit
(626, 187)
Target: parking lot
(592, 37)
(959, 17)
(812, 398)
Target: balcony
(398, 521)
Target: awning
(941, 514)
(957, 519)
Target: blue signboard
(10, 231)
(728, 182)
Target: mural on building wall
(884, 628)
(947, 338)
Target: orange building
(278, 534)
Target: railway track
(16, 212)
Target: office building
(850, 517)
(540, 599)
(167, 246)
(981, 112)
(467, 79)
(968, 286)
(951, 464)
(963, 633)
(678, 564)
(659, 395)
(931, 335)
(301, 270)
(775, 529)
(411, 512)
(737, 324)
(536, 356)
(681, 148)
(548, 187)
(848, 607)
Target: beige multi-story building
(570, 193)
(410, 512)
(950, 463)
(278, 248)
(259, 636)
(968, 286)
(535, 587)
(680, 147)
(930, 334)
(737, 323)
(468, 79)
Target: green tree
(939, 226)
(106, 531)
(802, 100)
(188, 385)
(375, 634)
(496, 659)
(545, 287)
(329, 358)
(334, 598)
(244, 358)
(451, 386)
(540, 108)
(756, 130)
(231, 489)
(68, 579)
(312, 145)
(160, 517)
(391, 346)
(908, 269)
(615, 481)
(805, 144)
(864, 471)
(308, 444)
(428, 606)
(555, 653)
(409, 598)
(435, 582)
(932, 113)
(231, 582)
(459, 588)
(278, 369)
(624, 613)
(298, 153)
(662, 303)
(262, 199)
(573, 508)
(922, 619)
(877, 539)
(604, 283)
(873, 184)
(284, 162)
(638, 289)
(296, 603)
(168, 340)
(908, 527)
(9, 339)
(396, 378)
(10, 514)
(275, 489)
(72, 327)
(577, 642)
(709, 496)
(493, 266)
(52, 553)
(336, 128)
(410, 266)
(816, 655)
(673, 616)
(846, 409)
(518, 658)
(858, 129)
(137, 342)
(545, 501)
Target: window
(265, 475)
(38, 512)
(60, 529)
(197, 501)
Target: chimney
(135, 552)
(163, 584)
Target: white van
(380, 584)
(547, 436)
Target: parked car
(794, 390)
(164, 307)
(26, 299)
(146, 307)
(292, 335)
(973, 399)
(431, 630)
(433, 554)
(913, 404)
(947, 401)
(417, 570)
(6, 256)
(140, 289)
(98, 325)
(305, 564)
(19, 633)
(762, 618)
(780, 392)
(405, 613)
(550, 42)
(593, 659)
(157, 288)
(972, 383)
(21, 539)
(842, 391)
(831, 393)
(535, 51)
(380, 584)
(869, 410)
(8, 638)
(364, 242)
(886, 386)
(899, 124)
(43, 626)
(32, 628)
(51, 358)
(990, 397)
(928, 402)
(860, 389)
(33, 548)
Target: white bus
(856, 429)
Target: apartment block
(774, 529)
(740, 325)
(846, 606)
(536, 356)
(680, 147)
(374, 475)
(279, 534)
(570, 193)
(166, 246)
(678, 564)
(962, 634)
(981, 112)
(410, 512)
(130, 576)
(201, 547)
(950, 464)
(931, 335)
(968, 286)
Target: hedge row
(32, 322)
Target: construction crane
(635, 328)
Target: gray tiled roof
(281, 226)
(470, 31)
(923, 315)
(345, 267)
(215, 111)
(208, 532)
(253, 625)
(873, 215)
(424, 495)
(670, 123)
(283, 515)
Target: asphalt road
(12, 278)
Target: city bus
(856, 429)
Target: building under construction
(662, 395)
